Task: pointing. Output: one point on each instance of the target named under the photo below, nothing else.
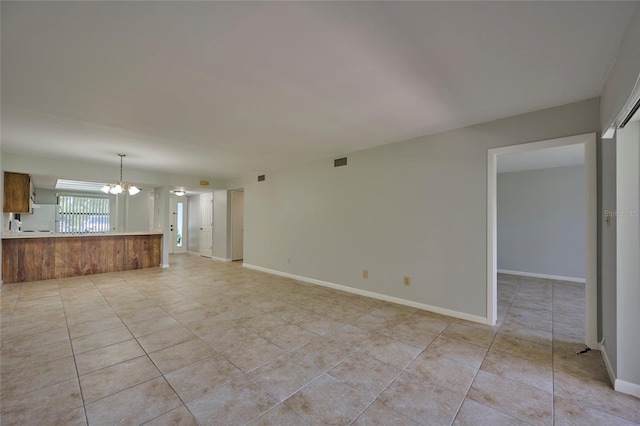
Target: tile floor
(205, 342)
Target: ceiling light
(120, 186)
(179, 193)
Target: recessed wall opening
(549, 232)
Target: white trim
(536, 275)
(607, 363)
(591, 223)
(627, 387)
(220, 259)
(166, 265)
(591, 234)
(424, 307)
(492, 237)
(194, 253)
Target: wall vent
(261, 178)
(340, 162)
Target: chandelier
(120, 186)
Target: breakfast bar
(41, 256)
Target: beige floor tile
(327, 400)
(475, 414)
(408, 335)
(135, 405)
(392, 352)
(523, 349)
(142, 328)
(165, 338)
(289, 337)
(116, 378)
(468, 334)
(279, 415)
(513, 398)
(596, 394)
(100, 339)
(236, 402)
(193, 381)
(95, 326)
(228, 340)
(87, 362)
(443, 372)
(533, 335)
(379, 414)
(13, 359)
(422, 401)
(351, 335)
(255, 319)
(365, 374)
(285, 375)
(322, 355)
(37, 376)
(520, 370)
(181, 355)
(457, 350)
(44, 403)
(177, 417)
(256, 352)
(568, 413)
(322, 325)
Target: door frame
(591, 232)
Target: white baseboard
(627, 387)
(221, 259)
(422, 306)
(547, 276)
(164, 265)
(619, 385)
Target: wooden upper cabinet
(18, 193)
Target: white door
(237, 225)
(206, 225)
(178, 224)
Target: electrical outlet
(407, 280)
(365, 273)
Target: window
(82, 214)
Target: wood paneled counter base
(33, 259)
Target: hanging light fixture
(120, 186)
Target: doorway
(588, 142)
(237, 225)
(178, 226)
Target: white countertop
(10, 236)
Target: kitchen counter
(45, 234)
(33, 256)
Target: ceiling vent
(261, 178)
(340, 162)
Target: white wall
(541, 221)
(624, 74)
(193, 224)
(415, 208)
(628, 255)
(137, 210)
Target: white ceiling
(568, 155)
(225, 88)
